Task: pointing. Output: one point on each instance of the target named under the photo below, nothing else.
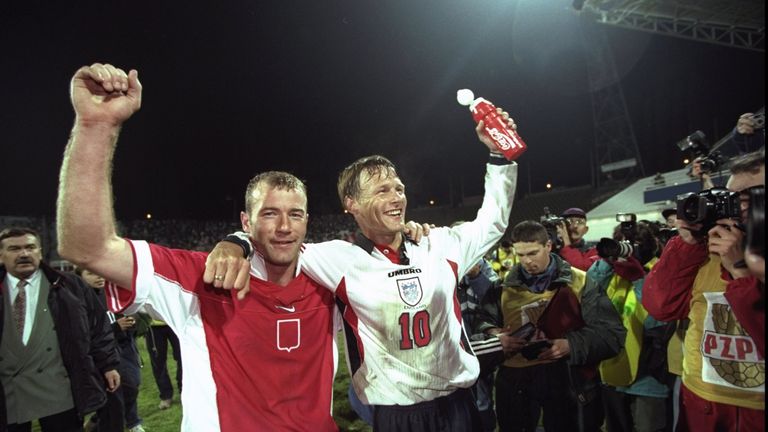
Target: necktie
(20, 307)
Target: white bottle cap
(465, 97)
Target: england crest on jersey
(410, 290)
(288, 334)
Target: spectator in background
(699, 277)
(158, 338)
(54, 376)
(203, 235)
(749, 133)
(575, 249)
(634, 388)
(699, 173)
(670, 217)
(122, 405)
(503, 258)
(574, 326)
(472, 288)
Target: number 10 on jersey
(414, 328)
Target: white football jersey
(404, 334)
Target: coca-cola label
(502, 140)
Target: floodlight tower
(617, 155)
(733, 23)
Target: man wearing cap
(670, 217)
(575, 250)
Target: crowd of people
(660, 327)
(688, 290)
(104, 341)
(203, 235)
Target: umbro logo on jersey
(287, 309)
(404, 272)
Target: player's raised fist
(104, 94)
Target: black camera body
(550, 222)
(707, 206)
(711, 162)
(696, 143)
(665, 235)
(627, 225)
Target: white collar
(34, 279)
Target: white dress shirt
(32, 291)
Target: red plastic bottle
(506, 139)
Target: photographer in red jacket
(575, 249)
(702, 276)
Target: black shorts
(456, 412)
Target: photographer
(700, 277)
(670, 217)
(555, 326)
(575, 250)
(747, 294)
(700, 172)
(749, 133)
(635, 388)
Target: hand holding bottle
(494, 123)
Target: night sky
(233, 88)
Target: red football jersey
(266, 362)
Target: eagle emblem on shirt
(410, 290)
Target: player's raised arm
(103, 97)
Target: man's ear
(350, 205)
(586, 229)
(549, 245)
(245, 222)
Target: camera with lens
(696, 143)
(550, 223)
(665, 235)
(707, 206)
(627, 225)
(661, 233)
(608, 248)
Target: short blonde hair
(276, 180)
